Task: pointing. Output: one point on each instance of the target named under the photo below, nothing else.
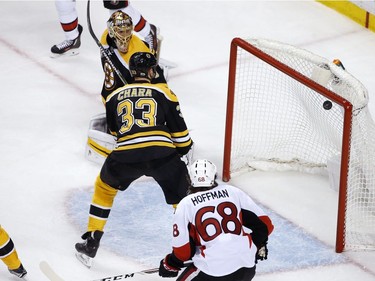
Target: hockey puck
(327, 105)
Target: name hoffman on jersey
(209, 196)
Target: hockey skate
(68, 47)
(19, 272)
(86, 251)
(152, 38)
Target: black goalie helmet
(140, 63)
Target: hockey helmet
(120, 28)
(140, 63)
(202, 173)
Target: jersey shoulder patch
(103, 39)
(169, 94)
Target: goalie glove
(166, 270)
(188, 157)
(262, 253)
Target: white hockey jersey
(213, 218)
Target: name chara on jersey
(210, 195)
(134, 92)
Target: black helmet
(140, 63)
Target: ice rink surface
(46, 183)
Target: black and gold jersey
(121, 61)
(147, 122)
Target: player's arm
(254, 218)
(259, 229)
(253, 215)
(183, 245)
(177, 126)
(110, 117)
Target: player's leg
(194, 274)
(68, 17)
(9, 256)
(100, 209)
(173, 177)
(114, 176)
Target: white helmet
(202, 173)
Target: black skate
(152, 39)
(68, 47)
(86, 251)
(19, 272)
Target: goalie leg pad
(99, 143)
(99, 146)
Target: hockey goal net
(288, 108)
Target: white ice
(46, 105)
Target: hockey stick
(102, 50)
(128, 275)
(49, 272)
(131, 275)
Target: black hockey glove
(262, 253)
(166, 270)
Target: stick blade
(49, 272)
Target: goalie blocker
(99, 142)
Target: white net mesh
(280, 123)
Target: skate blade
(167, 63)
(85, 260)
(72, 52)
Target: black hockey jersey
(121, 61)
(147, 122)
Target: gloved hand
(262, 253)
(166, 270)
(188, 157)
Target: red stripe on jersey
(70, 26)
(183, 253)
(140, 25)
(202, 248)
(186, 274)
(268, 222)
(248, 237)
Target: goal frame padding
(347, 123)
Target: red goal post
(288, 108)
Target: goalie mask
(120, 28)
(202, 173)
(140, 64)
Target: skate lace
(65, 44)
(150, 40)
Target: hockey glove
(262, 253)
(188, 157)
(166, 270)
